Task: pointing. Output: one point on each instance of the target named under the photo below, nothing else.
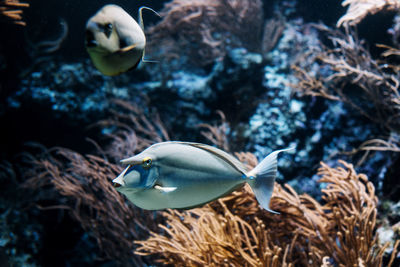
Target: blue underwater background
(256, 76)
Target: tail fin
(264, 178)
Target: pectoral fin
(165, 189)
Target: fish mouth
(116, 185)
(90, 39)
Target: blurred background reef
(248, 76)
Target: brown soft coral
(82, 185)
(235, 231)
(347, 72)
(204, 28)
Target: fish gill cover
(246, 76)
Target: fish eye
(107, 29)
(146, 163)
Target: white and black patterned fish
(114, 40)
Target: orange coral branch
(15, 15)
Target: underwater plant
(11, 9)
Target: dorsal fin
(140, 16)
(141, 24)
(223, 155)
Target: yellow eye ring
(146, 163)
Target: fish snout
(119, 181)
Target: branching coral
(232, 231)
(217, 134)
(235, 231)
(204, 28)
(82, 185)
(206, 237)
(392, 144)
(347, 72)
(10, 9)
(358, 9)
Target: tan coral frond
(212, 237)
(82, 185)
(11, 9)
(217, 134)
(359, 9)
(351, 75)
(235, 231)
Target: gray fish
(114, 40)
(187, 175)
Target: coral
(75, 91)
(217, 134)
(359, 9)
(189, 97)
(203, 30)
(10, 9)
(348, 73)
(235, 231)
(273, 31)
(82, 185)
(205, 237)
